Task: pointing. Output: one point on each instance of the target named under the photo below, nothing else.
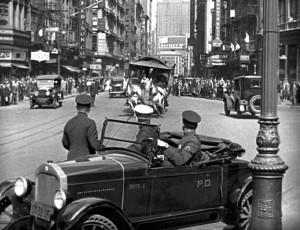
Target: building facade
(172, 33)
(14, 38)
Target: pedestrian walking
(80, 134)
(294, 93)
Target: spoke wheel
(97, 222)
(245, 211)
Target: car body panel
(123, 185)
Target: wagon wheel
(245, 210)
(96, 222)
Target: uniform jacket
(145, 132)
(80, 136)
(188, 147)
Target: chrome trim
(123, 178)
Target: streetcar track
(32, 127)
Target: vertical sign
(192, 19)
(82, 30)
(217, 42)
(218, 18)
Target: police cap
(143, 112)
(191, 119)
(84, 100)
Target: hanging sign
(82, 30)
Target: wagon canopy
(150, 62)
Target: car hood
(107, 167)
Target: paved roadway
(30, 137)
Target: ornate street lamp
(267, 166)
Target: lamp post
(267, 167)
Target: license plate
(41, 211)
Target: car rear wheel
(31, 105)
(255, 104)
(245, 210)
(239, 112)
(54, 103)
(95, 222)
(227, 111)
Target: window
(293, 10)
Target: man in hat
(188, 147)
(80, 134)
(147, 135)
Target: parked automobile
(48, 91)
(116, 87)
(246, 96)
(118, 188)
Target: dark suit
(188, 147)
(145, 133)
(80, 136)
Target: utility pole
(267, 167)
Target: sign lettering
(204, 183)
(82, 28)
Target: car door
(186, 188)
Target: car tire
(238, 111)
(255, 104)
(244, 210)
(54, 103)
(96, 222)
(227, 111)
(60, 104)
(31, 105)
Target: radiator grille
(42, 93)
(46, 186)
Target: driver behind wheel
(147, 135)
(189, 147)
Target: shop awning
(71, 68)
(5, 64)
(21, 66)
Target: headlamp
(21, 187)
(60, 199)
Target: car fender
(20, 205)
(76, 210)
(237, 192)
(229, 101)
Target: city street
(29, 137)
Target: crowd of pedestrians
(289, 91)
(200, 87)
(16, 88)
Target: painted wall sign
(82, 30)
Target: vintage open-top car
(122, 189)
(48, 91)
(246, 96)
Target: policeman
(80, 134)
(188, 147)
(147, 135)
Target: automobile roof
(117, 78)
(48, 77)
(248, 76)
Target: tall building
(172, 32)
(14, 38)
(289, 28)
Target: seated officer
(146, 133)
(189, 147)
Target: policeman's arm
(92, 135)
(65, 141)
(180, 157)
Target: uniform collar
(190, 133)
(82, 113)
